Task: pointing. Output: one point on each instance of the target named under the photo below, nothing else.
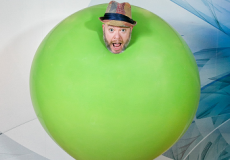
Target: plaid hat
(118, 14)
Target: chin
(116, 51)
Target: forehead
(115, 27)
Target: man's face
(116, 38)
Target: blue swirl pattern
(214, 12)
(208, 137)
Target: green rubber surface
(98, 105)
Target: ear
(131, 28)
(103, 26)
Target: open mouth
(116, 44)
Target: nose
(117, 35)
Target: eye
(111, 29)
(123, 30)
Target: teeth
(116, 44)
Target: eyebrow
(117, 26)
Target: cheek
(108, 37)
(125, 37)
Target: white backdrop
(23, 25)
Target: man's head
(116, 38)
(117, 27)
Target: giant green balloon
(102, 106)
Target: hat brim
(117, 23)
